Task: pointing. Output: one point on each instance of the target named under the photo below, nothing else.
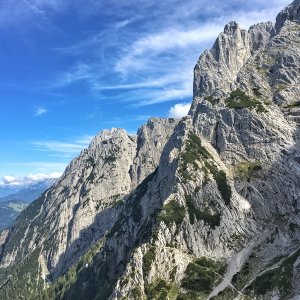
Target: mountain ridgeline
(202, 208)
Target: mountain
(26, 193)
(9, 211)
(202, 208)
(13, 204)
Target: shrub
(110, 159)
(280, 277)
(212, 220)
(221, 180)
(293, 105)
(161, 290)
(223, 186)
(238, 99)
(212, 100)
(148, 260)
(247, 169)
(194, 150)
(201, 275)
(172, 212)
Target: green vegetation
(245, 170)
(223, 187)
(212, 220)
(280, 277)
(22, 282)
(239, 279)
(257, 92)
(90, 160)
(221, 180)
(201, 275)
(212, 101)
(293, 105)
(190, 296)
(82, 281)
(228, 293)
(194, 150)
(118, 203)
(136, 293)
(91, 177)
(161, 290)
(171, 213)
(281, 87)
(148, 259)
(110, 159)
(238, 99)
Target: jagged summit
(290, 13)
(231, 28)
(202, 208)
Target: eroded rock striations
(202, 208)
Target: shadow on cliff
(96, 280)
(133, 226)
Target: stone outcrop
(202, 208)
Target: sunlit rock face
(206, 207)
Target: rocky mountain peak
(229, 52)
(206, 207)
(290, 13)
(231, 27)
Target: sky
(70, 68)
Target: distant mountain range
(13, 203)
(25, 193)
(9, 211)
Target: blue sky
(70, 68)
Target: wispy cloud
(128, 119)
(40, 111)
(63, 148)
(153, 64)
(170, 39)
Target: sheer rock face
(85, 203)
(290, 13)
(223, 183)
(3, 237)
(150, 143)
(217, 68)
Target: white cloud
(81, 71)
(29, 179)
(143, 50)
(40, 111)
(8, 179)
(179, 110)
(62, 148)
(148, 64)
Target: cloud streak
(63, 148)
(154, 66)
(40, 111)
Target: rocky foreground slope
(204, 208)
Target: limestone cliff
(204, 208)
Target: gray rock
(223, 183)
(290, 13)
